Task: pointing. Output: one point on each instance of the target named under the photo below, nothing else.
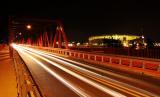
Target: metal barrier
(26, 86)
(145, 53)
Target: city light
(20, 33)
(125, 39)
(29, 26)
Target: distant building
(114, 40)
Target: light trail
(97, 69)
(119, 87)
(93, 83)
(61, 79)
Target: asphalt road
(61, 77)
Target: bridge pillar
(143, 66)
(60, 34)
(130, 63)
(102, 58)
(120, 61)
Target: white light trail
(89, 72)
(43, 53)
(93, 83)
(61, 79)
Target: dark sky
(86, 18)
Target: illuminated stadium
(119, 39)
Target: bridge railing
(143, 65)
(145, 53)
(2, 46)
(26, 85)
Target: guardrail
(2, 46)
(26, 86)
(151, 66)
(145, 53)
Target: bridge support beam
(60, 34)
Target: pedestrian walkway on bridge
(7, 74)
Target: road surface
(61, 77)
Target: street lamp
(143, 40)
(29, 26)
(20, 33)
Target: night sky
(83, 19)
